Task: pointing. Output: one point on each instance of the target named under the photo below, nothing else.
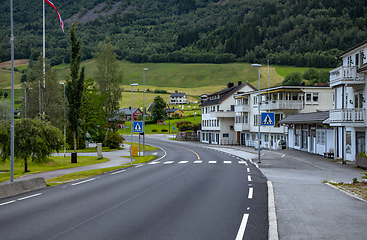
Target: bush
(113, 140)
(164, 130)
(154, 130)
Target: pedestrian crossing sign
(138, 127)
(267, 119)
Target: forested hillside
(286, 32)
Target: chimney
(239, 82)
(230, 84)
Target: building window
(315, 97)
(320, 137)
(225, 134)
(278, 117)
(256, 117)
(308, 97)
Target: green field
(193, 79)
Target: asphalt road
(188, 193)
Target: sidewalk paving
(307, 208)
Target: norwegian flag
(52, 5)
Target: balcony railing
(282, 104)
(241, 126)
(346, 75)
(242, 108)
(348, 116)
(222, 114)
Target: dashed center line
(168, 162)
(35, 195)
(183, 162)
(83, 182)
(212, 162)
(249, 178)
(227, 162)
(250, 193)
(198, 161)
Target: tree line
(287, 32)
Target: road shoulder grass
(91, 173)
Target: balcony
(346, 75)
(241, 126)
(223, 114)
(348, 117)
(242, 108)
(281, 104)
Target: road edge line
(272, 216)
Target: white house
(178, 98)
(217, 115)
(349, 114)
(282, 101)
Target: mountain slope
(286, 32)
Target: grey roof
(314, 117)
(172, 110)
(224, 94)
(127, 111)
(178, 94)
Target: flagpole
(44, 56)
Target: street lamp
(132, 121)
(145, 69)
(258, 106)
(64, 122)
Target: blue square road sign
(267, 119)
(138, 127)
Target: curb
(272, 217)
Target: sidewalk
(307, 208)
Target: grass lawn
(169, 124)
(86, 174)
(51, 163)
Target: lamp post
(145, 69)
(64, 122)
(132, 122)
(258, 106)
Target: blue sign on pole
(138, 127)
(267, 119)
(173, 128)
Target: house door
(360, 142)
(313, 134)
(304, 139)
(210, 138)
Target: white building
(178, 98)
(282, 101)
(217, 115)
(349, 114)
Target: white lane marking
(250, 193)
(139, 165)
(212, 162)
(165, 153)
(117, 172)
(34, 195)
(248, 169)
(227, 162)
(242, 162)
(155, 153)
(242, 229)
(168, 162)
(7, 202)
(183, 162)
(83, 182)
(152, 163)
(198, 161)
(283, 155)
(249, 178)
